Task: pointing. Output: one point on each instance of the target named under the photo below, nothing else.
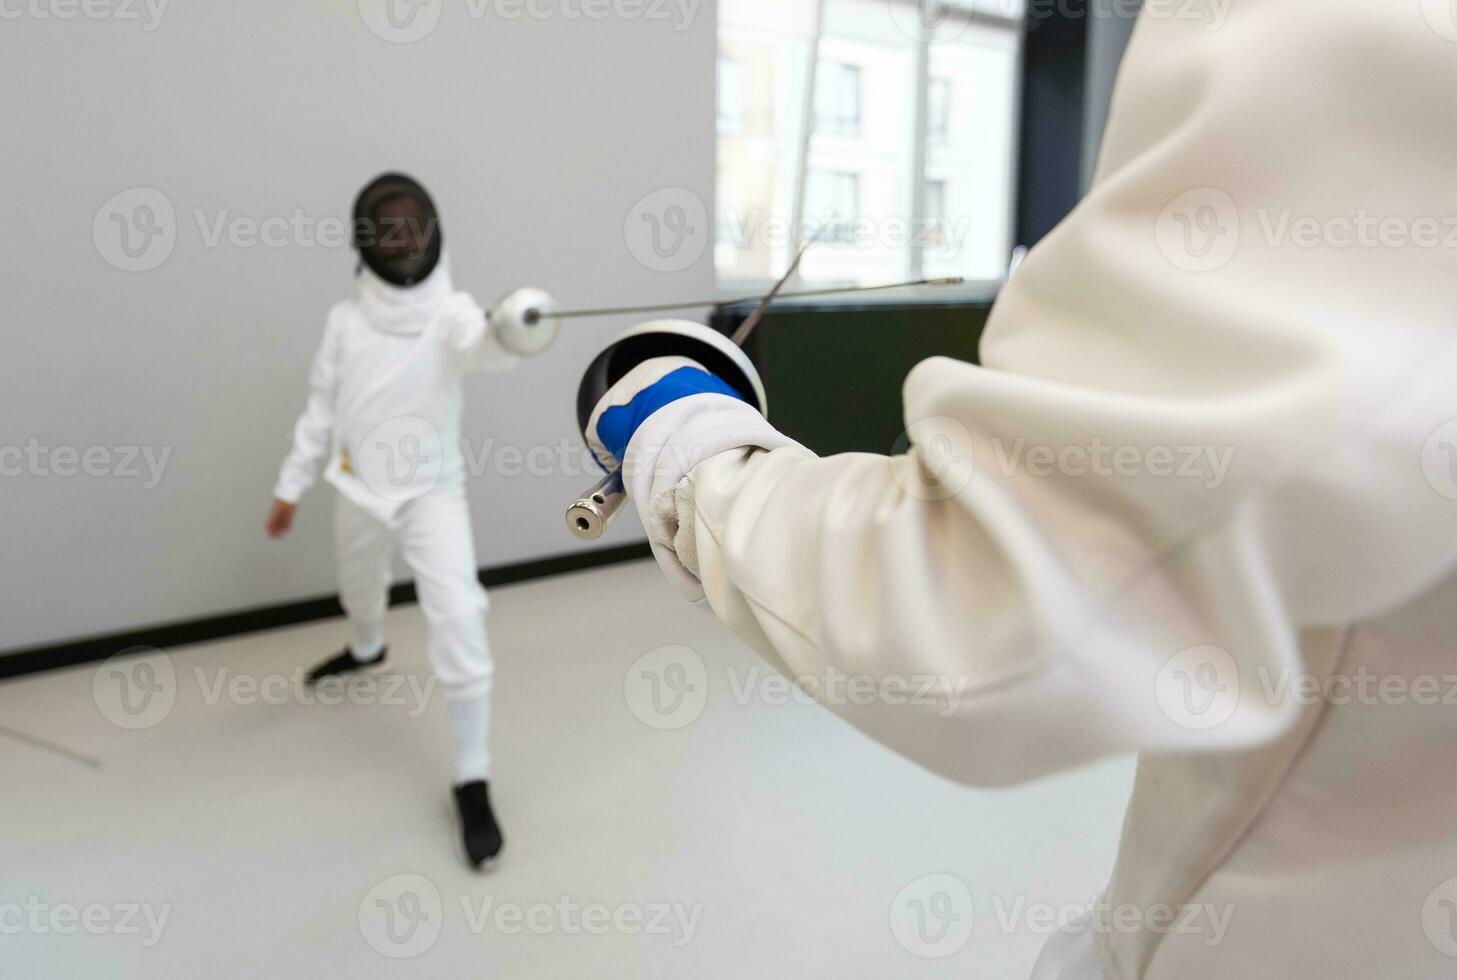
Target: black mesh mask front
(397, 230)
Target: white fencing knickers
(434, 535)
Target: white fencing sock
(368, 640)
(471, 720)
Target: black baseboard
(170, 635)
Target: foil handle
(590, 514)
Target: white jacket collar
(404, 310)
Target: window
(938, 110)
(831, 207)
(730, 98)
(890, 182)
(934, 228)
(837, 100)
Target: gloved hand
(663, 418)
(469, 334)
(650, 386)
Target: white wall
(537, 137)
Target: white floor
(239, 834)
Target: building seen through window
(890, 145)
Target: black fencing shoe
(478, 827)
(345, 663)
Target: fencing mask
(397, 230)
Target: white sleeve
(468, 332)
(1192, 435)
(314, 431)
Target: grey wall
(537, 136)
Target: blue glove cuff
(617, 425)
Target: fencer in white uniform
(1198, 501)
(382, 423)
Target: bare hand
(280, 518)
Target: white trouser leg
(363, 548)
(470, 720)
(434, 535)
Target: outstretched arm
(469, 334)
(1192, 435)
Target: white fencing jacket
(1206, 468)
(384, 409)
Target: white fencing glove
(663, 418)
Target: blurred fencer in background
(382, 423)
(1117, 608)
